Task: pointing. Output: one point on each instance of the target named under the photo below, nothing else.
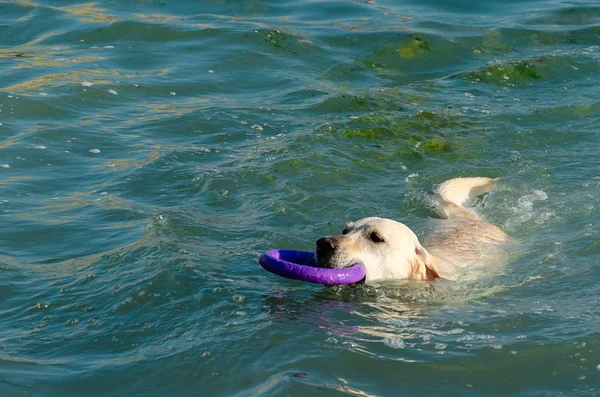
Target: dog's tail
(453, 197)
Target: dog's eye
(376, 237)
(346, 230)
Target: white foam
(411, 176)
(525, 211)
(394, 343)
(474, 337)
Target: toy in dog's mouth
(302, 265)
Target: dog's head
(388, 250)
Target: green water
(151, 150)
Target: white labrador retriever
(390, 250)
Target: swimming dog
(388, 249)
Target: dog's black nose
(327, 244)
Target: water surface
(151, 150)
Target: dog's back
(461, 239)
(452, 198)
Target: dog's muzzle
(326, 248)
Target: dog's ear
(426, 267)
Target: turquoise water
(151, 150)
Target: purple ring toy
(300, 265)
